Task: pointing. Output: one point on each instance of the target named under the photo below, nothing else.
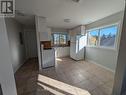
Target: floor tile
(69, 77)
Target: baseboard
(19, 66)
(93, 62)
(63, 56)
(77, 59)
(24, 61)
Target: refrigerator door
(81, 47)
(73, 50)
(77, 46)
(73, 39)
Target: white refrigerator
(77, 47)
(47, 57)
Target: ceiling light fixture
(67, 20)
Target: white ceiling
(84, 12)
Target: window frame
(60, 39)
(102, 27)
(88, 38)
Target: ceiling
(83, 12)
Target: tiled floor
(69, 77)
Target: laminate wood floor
(68, 77)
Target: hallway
(67, 78)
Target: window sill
(106, 48)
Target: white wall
(101, 56)
(30, 43)
(6, 71)
(120, 75)
(17, 50)
(40, 23)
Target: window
(93, 37)
(56, 39)
(59, 39)
(63, 39)
(108, 36)
(103, 37)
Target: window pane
(63, 39)
(59, 39)
(108, 36)
(56, 38)
(93, 37)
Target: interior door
(1, 93)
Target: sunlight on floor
(58, 59)
(56, 87)
(50, 89)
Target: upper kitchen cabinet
(80, 30)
